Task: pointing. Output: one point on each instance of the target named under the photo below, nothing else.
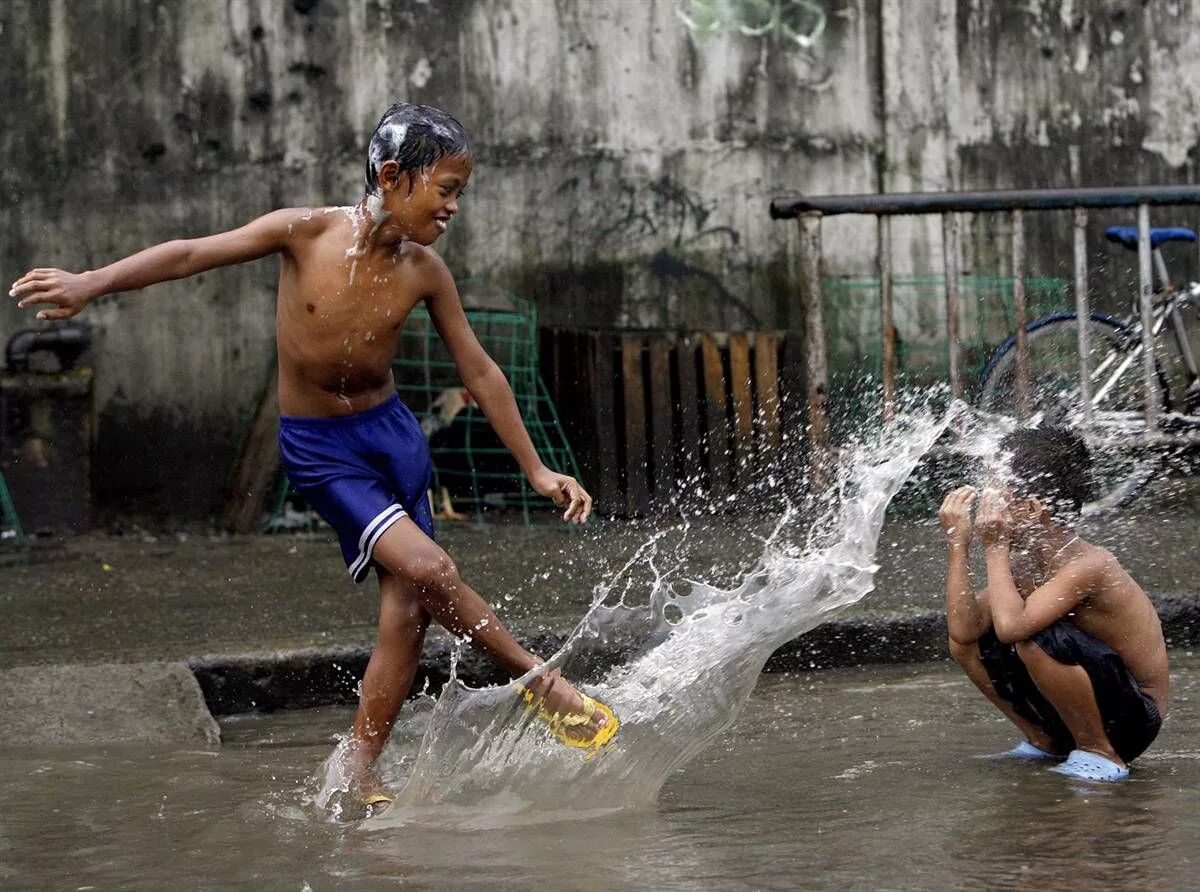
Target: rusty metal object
(1146, 306)
(953, 339)
(1083, 313)
(817, 365)
(887, 318)
(1021, 309)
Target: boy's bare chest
(346, 294)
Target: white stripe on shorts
(376, 528)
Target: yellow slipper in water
(375, 803)
(567, 727)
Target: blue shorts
(361, 473)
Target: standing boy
(1063, 641)
(348, 279)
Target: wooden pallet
(655, 412)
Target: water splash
(677, 669)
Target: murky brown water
(866, 779)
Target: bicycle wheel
(1054, 389)
(1054, 395)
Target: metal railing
(810, 211)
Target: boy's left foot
(1028, 751)
(1085, 765)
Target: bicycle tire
(1048, 372)
(1054, 368)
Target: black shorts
(1131, 719)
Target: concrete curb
(329, 676)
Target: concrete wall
(625, 162)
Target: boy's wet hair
(1053, 464)
(415, 137)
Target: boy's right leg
(1070, 691)
(405, 551)
(389, 675)
(967, 656)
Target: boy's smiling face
(421, 204)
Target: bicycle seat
(1128, 236)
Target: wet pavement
(196, 594)
(842, 780)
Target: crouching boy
(1062, 640)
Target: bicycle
(1118, 390)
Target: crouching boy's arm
(1015, 619)
(488, 386)
(966, 615)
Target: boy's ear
(1038, 508)
(390, 176)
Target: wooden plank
(256, 472)
(637, 453)
(766, 385)
(604, 422)
(661, 414)
(743, 407)
(716, 425)
(689, 411)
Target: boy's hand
(993, 520)
(565, 492)
(68, 292)
(955, 515)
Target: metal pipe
(1022, 313)
(66, 342)
(816, 365)
(1160, 270)
(950, 259)
(1083, 314)
(1146, 305)
(887, 318)
(995, 200)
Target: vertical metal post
(1021, 310)
(886, 317)
(954, 346)
(816, 365)
(1146, 304)
(1083, 314)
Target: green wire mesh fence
(987, 318)
(10, 525)
(854, 332)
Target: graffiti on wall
(800, 21)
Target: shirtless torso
(1113, 609)
(340, 312)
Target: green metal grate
(10, 525)
(469, 460)
(987, 318)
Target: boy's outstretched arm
(68, 293)
(1015, 619)
(966, 615)
(487, 384)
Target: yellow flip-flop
(561, 725)
(373, 801)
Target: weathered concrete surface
(103, 703)
(625, 162)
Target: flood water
(863, 779)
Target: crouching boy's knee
(963, 653)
